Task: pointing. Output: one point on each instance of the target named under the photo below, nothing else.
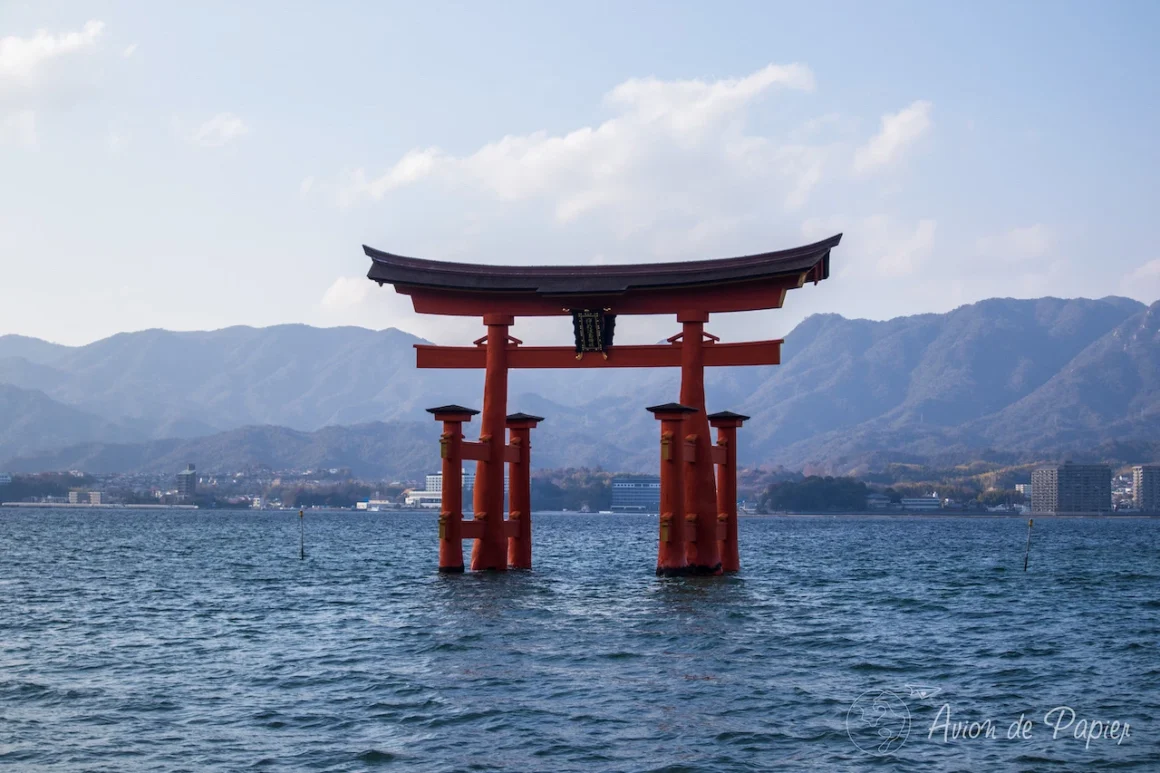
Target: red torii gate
(698, 521)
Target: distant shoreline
(949, 514)
(90, 506)
(843, 514)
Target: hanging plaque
(593, 331)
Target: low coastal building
(432, 495)
(636, 495)
(375, 505)
(922, 504)
(83, 497)
(435, 483)
(423, 498)
(876, 501)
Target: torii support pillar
(520, 426)
(490, 548)
(671, 558)
(451, 511)
(726, 424)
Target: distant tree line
(572, 489)
(344, 494)
(576, 488)
(753, 481)
(996, 497)
(814, 494)
(40, 485)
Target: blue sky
(195, 166)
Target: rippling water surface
(199, 641)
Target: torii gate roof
(727, 284)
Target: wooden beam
(474, 529)
(646, 356)
(747, 296)
(476, 451)
(719, 454)
(481, 452)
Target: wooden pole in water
(301, 535)
(1027, 551)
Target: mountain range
(999, 379)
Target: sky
(200, 165)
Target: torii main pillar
(490, 549)
(700, 487)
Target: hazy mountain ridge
(954, 377)
(999, 377)
(375, 450)
(31, 349)
(291, 375)
(1113, 385)
(31, 421)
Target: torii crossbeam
(594, 296)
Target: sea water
(199, 641)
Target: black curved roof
(387, 268)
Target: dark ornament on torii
(698, 519)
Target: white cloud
(666, 138)
(21, 58)
(347, 292)
(19, 129)
(129, 50)
(876, 246)
(219, 130)
(413, 166)
(115, 140)
(1143, 282)
(1023, 243)
(305, 186)
(1150, 270)
(702, 234)
(25, 71)
(898, 131)
(689, 108)
(904, 251)
(356, 300)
